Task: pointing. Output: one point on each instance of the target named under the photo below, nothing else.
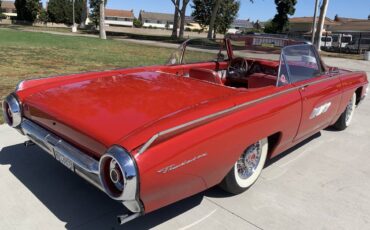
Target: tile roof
(7, 5)
(352, 26)
(242, 23)
(156, 16)
(119, 13)
(328, 21)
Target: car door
(320, 92)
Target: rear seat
(205, 75)
(258, 80)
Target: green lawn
(28, 54)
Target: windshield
(200, 50)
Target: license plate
(65, 161)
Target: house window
(159, 22)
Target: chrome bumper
(83, 165)
(75, 160)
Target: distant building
(240, 25)
(156, 20)
(303, 25)
(354, 27)
(119, 17)
(8, 9)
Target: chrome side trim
(223, 112)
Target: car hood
(96, 113)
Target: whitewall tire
(247, 169)
(346, 118)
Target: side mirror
(333, 70)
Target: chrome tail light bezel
(127, 169)
(12, 111)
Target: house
(119, 17)
(8, 9)
(356, 28)
(303, 25)
(156, 20)
(240, 25)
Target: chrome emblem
(320, 110)
(174, 166)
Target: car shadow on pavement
(74, 201)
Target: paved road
(322, 184)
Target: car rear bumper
(75, 160)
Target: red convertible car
(151, 136)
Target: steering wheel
(238, 67)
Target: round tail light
(118, 174)
(12, 111)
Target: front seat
(205, 75)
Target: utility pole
(74, 27)
(314, 23)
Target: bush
(2, 16)
(187, 29)
(137, 23)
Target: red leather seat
(205, 75)
(258, 80)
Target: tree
(27, 10)
(102, 21)
(84, 13)
(182, 17)
(215, 8)
(95, 11)
(320, 25)
(284, 8)
(226, 14)
(43, 17)
(61, 11)
(175, 18)
(182, 12)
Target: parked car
(151, 136)
(358, 45)
(326, 42)
(341, 40)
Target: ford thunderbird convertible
(212, 115)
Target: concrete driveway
(323, 183)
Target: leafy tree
(61, 11)
(284, 8)
(226, 14)
(43, 16)
(27, 10)
(95, 11)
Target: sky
(259, 10)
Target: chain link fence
(354, 43)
